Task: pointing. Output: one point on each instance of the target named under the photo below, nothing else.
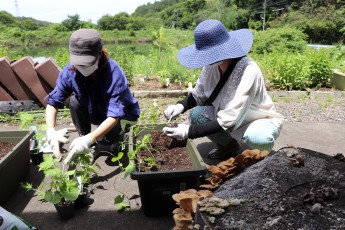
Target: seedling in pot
(58, 186)
(38, 141)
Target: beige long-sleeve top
(243, 98)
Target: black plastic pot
(65, 210)
(35, 155)
(82, 200)
(156, 188)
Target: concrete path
(327, 138)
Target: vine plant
(133, 162)
(58, 186)
(143, 144)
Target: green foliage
(286, 31)
(158, 6)
(141, 144)
(182, 14)
(285, 70)
(120, 205)
(72, 22)
(337, 56)
(84, 169)
(151, 115)
(125, 59)
(320, 67)
(322, 24)
(57, 186)
(61, 56)
(235, 18)
(28, 122)
(286, 39)
(289, 71)
(7, 19)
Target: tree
(72, 22)
(7, 19)
(121, 20)
(106, 22)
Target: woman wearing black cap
(98, 91)
(229, 95)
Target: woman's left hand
(180, 132)
(80, 145)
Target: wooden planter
(338, 80)
(14, 166)
(156, 188)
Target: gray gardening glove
(173, 111)
(80, 145)
(180, 132)
(54, 138)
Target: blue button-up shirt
(105, 95)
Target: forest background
(146, 42)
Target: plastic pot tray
(14, 166)
(156, 188)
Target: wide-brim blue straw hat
(214, 43)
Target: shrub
(125, 59)
(285, 70)
(319, 67)
(61, 56)
(286, 39)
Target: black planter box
(156, 188)
(14, 166)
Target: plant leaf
(118, 199)
(121, 207)
(130, 168)
(118, 157)
(131, 154)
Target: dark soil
(169, 154)
(277, 194)
(5, 147)
(154, 83)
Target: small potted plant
(37, 141)
(58, 187)
(84, 172)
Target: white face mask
(87, 70)
(216, 64)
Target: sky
(57, 11)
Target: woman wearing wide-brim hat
(229, 95)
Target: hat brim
(85, 60)
(238, 45)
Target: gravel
(296, 106)
(314, 107)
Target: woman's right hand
(54, 138)
(173, 111)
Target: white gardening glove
(173, 110)
(54, 138)
(80, 145)
(180, 132)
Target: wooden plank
(24, 69)
(11, 82)
(4, 96)
(49, 71)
